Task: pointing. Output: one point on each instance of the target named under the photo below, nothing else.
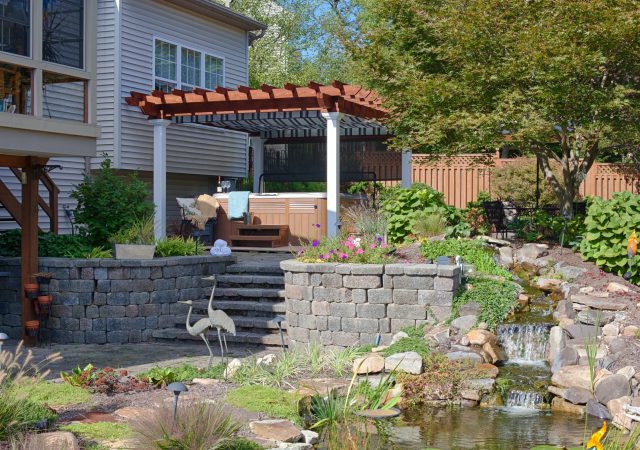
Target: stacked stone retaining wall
(350, 304)
(96, 301)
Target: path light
(177, 388)
(278, 321)
(3, 337)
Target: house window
(15, 89)
(63, 32)
(186, 68)
(15, 18)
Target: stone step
(240, 321)
(255, 268)
(271, 293)
(235, 280)
(277, 307)
(272, 339)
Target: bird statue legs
(206, 342)
(221, 349)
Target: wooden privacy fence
(461, 178)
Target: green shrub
(108, 203)
(49, 245)
(364, 220)
(18, 413)
(403, 206)
(159, 376)
(496, 299)
(476, 216)
(517, 182)
(176, 246)
(471, 251)
(139, 232)
(607, 228)
(542, 226)
(269, 400)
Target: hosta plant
(607, 228)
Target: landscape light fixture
(177, 388)
(278, 321)
(3, 337)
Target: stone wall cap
(292, 265)
(420, 269)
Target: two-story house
(140, 45)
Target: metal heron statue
(219, 320)
(200, 328)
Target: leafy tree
(108, 203)
(558, 78)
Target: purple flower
(332, 251)
(317, 225)
(379, 238)
(343, 256)
(323, 257)
(315, 243)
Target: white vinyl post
(406, 168)
(160, 176)
(257, 144)
(333, 172)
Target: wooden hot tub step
(260, 236)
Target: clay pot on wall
(31, 327)
(44, 304)
(31, 290)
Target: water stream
(524, 419)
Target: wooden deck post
(29, 247)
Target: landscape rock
(617, 288)
(557, 342)
(368, 364)
(570, 272)
(439, 335)
(375, 380)
(630, 330)
(532, 251)
(470, 309)
(561, 405)
(232, 367)
(591, 317)
(266, 360)
(506, 256)
(598, 410)
(613, 386)
(294, 446)
(565, 322)
(58, 440)
(586, 289)
(379, 348)
(583, 331)
(487, 370)
(611, 329)
(205, 381)
(465, 356)
(130, 413)
(399, 335)
(618, 344)
(627, 371)
(548, 284)
(578, 395)
(555, 390)
(574, 376)
(310, 437)
(616, 408)
(464, 341)
(484, 385)
(276, 430)
(609, 304)
(480, 337)
(322, 386)
(409, 362)
(494, 351)
(471, 394)
(464, 323)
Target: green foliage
(364, 220)
(108, 203)
(608, 225)
(427, 225)
(162, 376)
(198, 425)
(99, 431)
(476, 216)
(340, 362)
(410, 344)
(403, 206)
(240, 443)
(441, 380)
(558, 76)
(139, 232)
(471, 251)
(269, 400)
(364, 250)
(365, 187)
(53, 394)
(18, 413)
(496, 299)
(378, 396)
(49, 245)
(516, 182)
(542, 226)
(176, 246)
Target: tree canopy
(559, 78)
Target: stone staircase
(252, 294)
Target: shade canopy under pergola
(290, 112)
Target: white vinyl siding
(190, 149)
(107, 79)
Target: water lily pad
(379, 413)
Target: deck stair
(260, 236)
(251, 294)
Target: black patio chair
(495, 216)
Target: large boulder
(568, 356)
(598, 410)
(439, 335)
(493, 350)
(506, 256)
(532, 251)
(58, 440)
(557, 342)
(577, 376)
(613, 386)
(409, 362)
(368, 364)
(465, 356)
(591, 317)
(276, 430)
(616, 408)
(577, 395)
(464, 323)
(480, 337)
(561, 405)
(608, 304)
(569, 272)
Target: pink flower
(350, 246)
(343, 256)
(360, 251)
(372, 246)
(383, 245)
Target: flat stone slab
(58, 440)
(322, 386)
(276, 430)
(609, 304)
(409, 362)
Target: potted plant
(31, 290)
(44, 304)
(135, 242)
(43, 277)
(31, 327)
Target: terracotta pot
(44, 278)
(43, 304)
(31, 327)
(31, 290)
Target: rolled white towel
(220, 243)
(226, 251)
(215, 251)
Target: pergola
(291, 112)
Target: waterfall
(525, 342)
(524, 399)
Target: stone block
(85, 298)
(332, 294)
(343, 309)
(405, 297)
(334, 323)
(78, 337)
(163, 284)
(61, 310)
(360, 325)
(291, 265)
(296, 292)
(110, 311)
(362, 281)
(288, 277)
(298, 334)
(86, 273)
(150, 309)
(307, 321)
(139, 298)
(131, 310)
(151, 323)
(421, 269)
(359, 295)
(398, 324)
(292, 319)
(412, 282)
(99, 298)
(331, 280)
(314, 280)
(367, 269)
(371, 311)
(345, 339)
(135, 336)
(175, 271)
(320, 308)
(86, 324)
(100, 273)
(394, 269)
(77, 312)
(62, 336)
(99, 324)
(67, 298)
(118, 337)
(118, 298)
(140, 272)
(52, 322)
(413, 312)
(169, 296)
(69, 323)
(166, 321)
(143, 285)
(118, 273)
(438, 313)
(322, 323)
(156, 273)
(343, 269)
(436, 298)
(446, 284)
(103, 286)
(95, 337)
(191, 294)
(384, 325)
(387, 281)
(449, 271)
(377, 296)
(300, 306)
(301, 279)
(326, 338)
